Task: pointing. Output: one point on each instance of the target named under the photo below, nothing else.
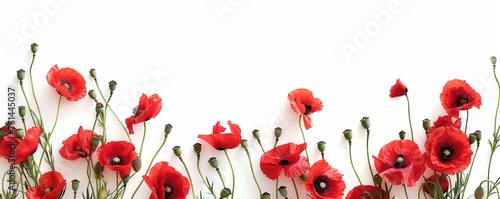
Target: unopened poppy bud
(493, 60)
(168, 129)
(126, 179)
(103, 193)
(96, 139)
(283, 192)
(197, 148)
(137, 164)
(98, 169)
(303, 177)
(21, 74)
(93, 73)
(213, 162)
(478, 135)
(92, 94)
(22, 111)
(34, 48)
(19, 133)
(277, 132)
(321, 146)
(98, 107)
(256, 134)
(479, 193)
(265, 195)
(112, 85)
(224, 193)
(377, 179)
(75, 184)
(426, 123)
(402, 135)
(177, 151)
(2, 133)
(348, 134)
(244, 144)
(365, 122)
(472, 138)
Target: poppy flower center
(284, 162)
(116, 161)
(461, 100)
(321, 185)
(168, 190)
(66, 84)
(308, 109)
(400, 162)
(446, 153)
(136, 111)
(47, 190)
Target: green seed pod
(365, 122)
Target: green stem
(33, 91)
(89, 174)
(189, 176)
(277, 186)
(28, 104)
(232, 172)
(406, 192)
(202, 178)
(304, 139)
(495, 131)
(253, 173)
(409, 115)
(220, 176)
(143, 138)
(352, 165)
(466, 121)
(368, 154)
(295, 187)
(260, 144)
(48, 155)
(470, 170)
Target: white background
(238, 59)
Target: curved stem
(304, 139)
(260, 144)
(470, 170)
(277, 186)
(352, 165)
(495, 131)
(220, 176)
(143, 138)
(202, 178)
(232, 172)
(466, 121)
(33, 92)
(189, 175)
(295, 187)
(57, 116)
(409, 115)
(406, 192)
(28, 104)
(253, 173)
(49, 155)
(368, 154)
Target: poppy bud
(137, 164)
(265, 195)
(34, 48)
(103, 193)
(472, 138)
(402, 135)
(19, 133)
(479, 193)
(21, 74)
(224, 193)
(493, 60)
(256, 134)
(75, 184)
(98, 169)
(98, 107)
(22, 111)
(348, 134)
(365, 122)
(2, 133)
(126, 179)
(303, 177)
(478, 135)
(377, 179)
(168, 129)
(277, 132)
(321, 146)
(244, 144)
(177, 151)
(283, 192)
(93, 73)
(197, 148)
(213, 162)
(96, 139)
(92, 94)
(112, 85)
(426, 123)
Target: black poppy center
(321, 185)
(115, 161)
(168, 190)
(308, 109)
(136, 111)
(284, 162)
(66, 84)
(400, 162)
(446, 153)
(461, 100)
(48, 189)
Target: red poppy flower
(50, 186)
(166, 182)
(324, 181)
(67, 82)
(223, 141)
(458, 95)
(117, 156)
(446, 120)
(148, 108)
(398, 89)
(304, 104)
(78, 145)
(400, 162)
(358, 192)
(433, 182)
(23, 148)
(447, 150)
(286, 157)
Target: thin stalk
(406, 192)
(409, 115)
(201, 176)
(33, 91)
(277, 186)
(253, 172)
(495, 131)
(466, 121)
(27, 103)
(143, 138)
(470, 170)
(295, 187)
(368, 154)
(352, 165)
(304, 139)
(232, 172)
(189, 175)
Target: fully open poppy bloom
(446, 120)
(457, 95)
(358, 192)
(78, 145)
(447, 150)
(398, 89)
(148, 108)
(324, 181)
(303, 103)
(223, 141)
(67, 82)
(50, 185)
(23, 148)
(284, 157)
(117, 156)
(435, 181)
(400, 162)
(166, 182)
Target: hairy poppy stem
(353, 168)
(295, 187)
(232, 172)
(33, 93)
(406, 192)
(466, 121)
(143, 138)
(202, 178)
(493, 145)
(409, 115)
(253, 172)
(27, 103)
(470, 170)
(304, 139)
(368, 154)
(189, 175)
(277, 185)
